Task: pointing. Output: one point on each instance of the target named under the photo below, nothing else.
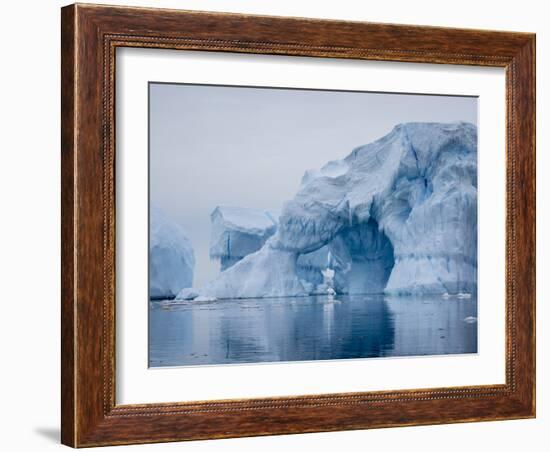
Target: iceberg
(171, 257)
(398, 215)
(238, 232)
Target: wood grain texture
(90, 36)
(67, 225)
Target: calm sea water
(309, 328)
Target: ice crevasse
(398, 215)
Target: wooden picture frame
(90, 35)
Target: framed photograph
(281, 225)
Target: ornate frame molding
(90, 37)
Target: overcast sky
(249, 147)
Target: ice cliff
(238, 232)
(398, 215)
(171, 257)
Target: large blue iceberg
(171, 257)
(398, 215)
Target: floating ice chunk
(189, 293)
(203, 298)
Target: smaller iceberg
(171, 257)
(238, 232)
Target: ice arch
(369, 256)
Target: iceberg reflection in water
(309, 328)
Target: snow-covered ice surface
(171, 257)
(398, 215)
(238, 232)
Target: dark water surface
(309, 328)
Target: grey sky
(249, 147)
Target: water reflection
(309, 328)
